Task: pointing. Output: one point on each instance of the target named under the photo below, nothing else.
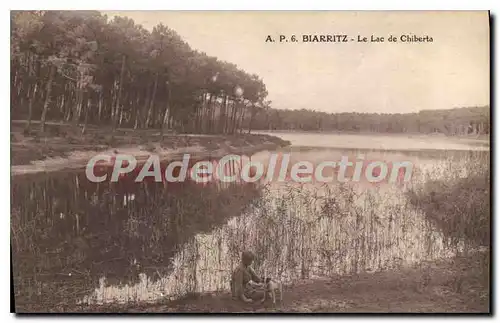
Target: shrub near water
(459, 205)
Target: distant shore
(405, 134)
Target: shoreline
(368, 133)
(79, 159)
(63, 147)
(455, 285)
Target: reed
(165, 246)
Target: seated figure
(245, 284)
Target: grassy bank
(64, 145)
(458, 202)
(449, 286)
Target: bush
(459, 206)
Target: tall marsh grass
(457, 201)
(301, 232)
(189, 242)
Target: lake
(75, 241)
(396, 142)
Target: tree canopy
(80, 66)
(458, 121)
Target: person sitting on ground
(245, 284)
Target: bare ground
(459, 285)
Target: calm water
(76, 241)
(379, 141)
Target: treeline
(459, 121)
(81, 67)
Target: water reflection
(75, 241)
(67, 233)
(394, 142)
(296, 234)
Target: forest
(458, 121)
(82, 67)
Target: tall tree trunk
(201, 127)
(100, 106)
(198, 112)
(137, 111)
(67, 104)
(152, 103)
(88, 106)
(252, 116)
(61, 103)
(120, 119)
(32, 88)
(52, 72)
(167, 111)
(30, 105)
(214, 110)
(243, 112)
(207, 113)
(233, 118)
(222, 120)
(79, 100)
(229, 113)
(144, 110)
(120, 87)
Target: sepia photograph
(250, 162)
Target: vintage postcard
(250, 161)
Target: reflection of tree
(64, 224)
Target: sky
(452, 71)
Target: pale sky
(452, 71)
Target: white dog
(271, 288)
